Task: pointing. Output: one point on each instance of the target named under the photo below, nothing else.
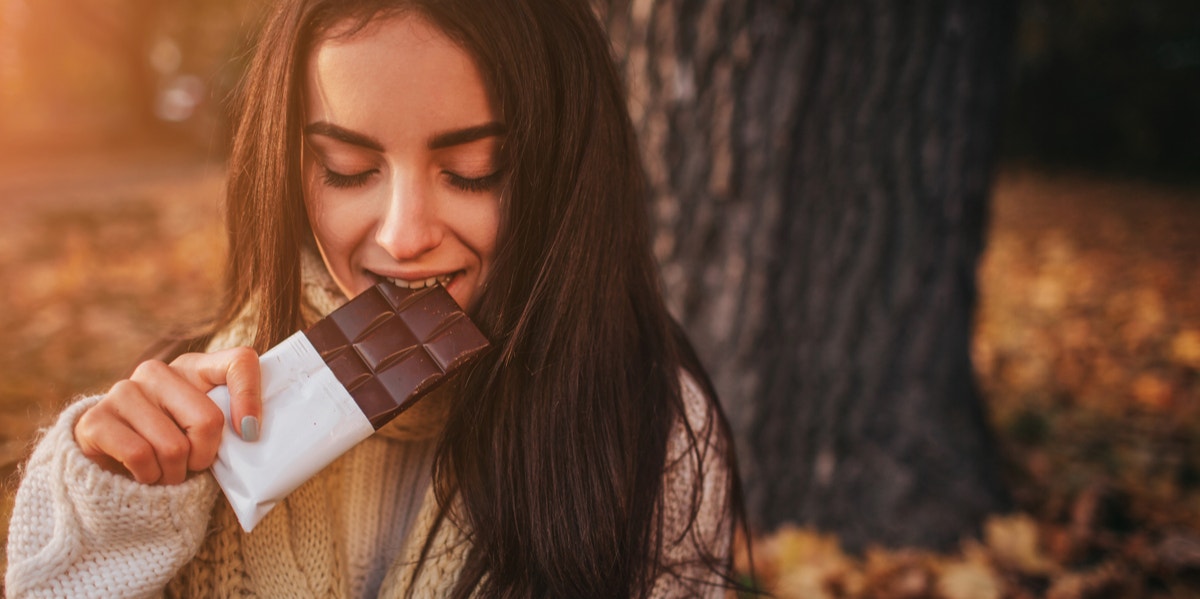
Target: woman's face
(401, 179)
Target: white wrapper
(309, 419)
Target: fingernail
(249, 428)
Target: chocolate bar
(390, 346)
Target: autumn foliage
(1087, 348)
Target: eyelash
(476, 185)
(479, 184)
(340, 181)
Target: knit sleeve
(697, 518)
(80, 531)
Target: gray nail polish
(249, 428)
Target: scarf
(325, 539)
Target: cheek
(338, 230)
(484, 229)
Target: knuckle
(138, 457)
(243, 356)
(184, 358)
(210, 421)
(121, 388)
(149, 369)
(147, 475)
(86, 426)
(174, 450)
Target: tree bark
(820, 172)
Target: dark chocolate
(389, 346)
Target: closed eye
(477, 184)
(342, 181)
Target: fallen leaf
(1185, 349)
(1152, 391)
(969, 580)
(1013, 540)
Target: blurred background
(81, 75)
(115, 121)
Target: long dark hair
(557, 446)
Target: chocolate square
(385, 344)
(454, 342)
(390, 346)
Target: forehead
(393, 66)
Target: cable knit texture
(355, 530)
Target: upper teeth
(421, 283)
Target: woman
(481, 145)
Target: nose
(410, 225)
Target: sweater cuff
(72, 517)
(113, 504)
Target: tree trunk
(820, 173)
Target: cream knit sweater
(354, 530)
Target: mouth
(422, 283)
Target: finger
(192, 413)
(105, 438)
(133, 453)
(143, 414)
(244, 378)
(88, 429)
(110, 464)
(239, 369)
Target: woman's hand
(159, 424)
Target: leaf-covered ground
(1088, 350)
(98, 257)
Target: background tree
(820, 173)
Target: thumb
(239, 370)
(244, 378)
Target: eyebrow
(468, 135)
(437, 142)
(342, 134)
